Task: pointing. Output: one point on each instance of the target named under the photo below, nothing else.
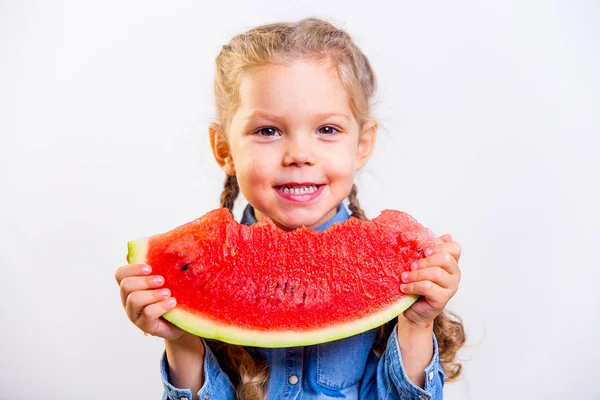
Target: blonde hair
(315, 39)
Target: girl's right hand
(145, 301)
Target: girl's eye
(328, 130)
(268, 132)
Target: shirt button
(293, 380)
(423, 397)
(430, 375)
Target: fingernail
(146, 269)
(404, 276)
(428, 252)
(414, 266)
(403, 287)
(158, 280)
(165, 293)
(171, 302)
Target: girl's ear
(366, 143)
(220, 148)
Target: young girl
(293, 126)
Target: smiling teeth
(299, 190)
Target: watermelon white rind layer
(137, 250)
(208, 328)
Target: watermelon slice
(265, 287)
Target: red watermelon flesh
(262, 286)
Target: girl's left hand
(435, 278)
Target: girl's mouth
(299, 192)
(298, 189)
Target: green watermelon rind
(208, 328)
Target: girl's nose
(297, 153)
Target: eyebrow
(266, 115)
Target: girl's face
(294, 144)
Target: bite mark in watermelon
(265, 287)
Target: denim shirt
(346, 368)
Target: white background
(491, 113)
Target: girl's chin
(288, 224)
(291, 218)
(295, 223)
(287, 228)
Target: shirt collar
(340, 216)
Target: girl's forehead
(299, 69)
(304, 87)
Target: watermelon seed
(186, 266)
(292, 290)
(420, 250)
(304, 295)
(276, 285)
(285, 287)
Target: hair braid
(354, 205)
(248, 373)
(230, 192)
(450, 334)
